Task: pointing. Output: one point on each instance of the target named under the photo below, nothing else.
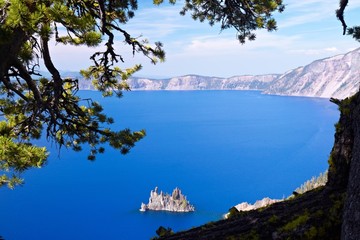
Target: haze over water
(219, 147)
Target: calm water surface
(219, 147)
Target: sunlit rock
(176, 202)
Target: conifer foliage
(243, 15)
(33, 106)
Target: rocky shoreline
(245, 206)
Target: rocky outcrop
(309, 185)
(245, 206)
(176, 202)
(341, 154)
(351, 218)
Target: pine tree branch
(340, 14)
(52, 69)
(8, 85)
(24, 74)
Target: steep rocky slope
(314, 215)
(330, 212)
(336, 77)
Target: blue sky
(307, 30)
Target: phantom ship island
(176, 202)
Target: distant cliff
(196, 82)
(176, 202)
(335, 77)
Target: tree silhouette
(33, 106)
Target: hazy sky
(307, 30)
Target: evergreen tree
(33, 106)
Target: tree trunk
(9, 50)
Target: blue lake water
(219, 147)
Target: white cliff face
(337, 77)
(195, 82)
(176, 202)
(245, 206)
(249, 82)
(145, 84)
(258, 204)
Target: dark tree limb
(24, 74)
(52, 69)
(340, 14)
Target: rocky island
(176, 202)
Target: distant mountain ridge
(196, 82)
(336, 77)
